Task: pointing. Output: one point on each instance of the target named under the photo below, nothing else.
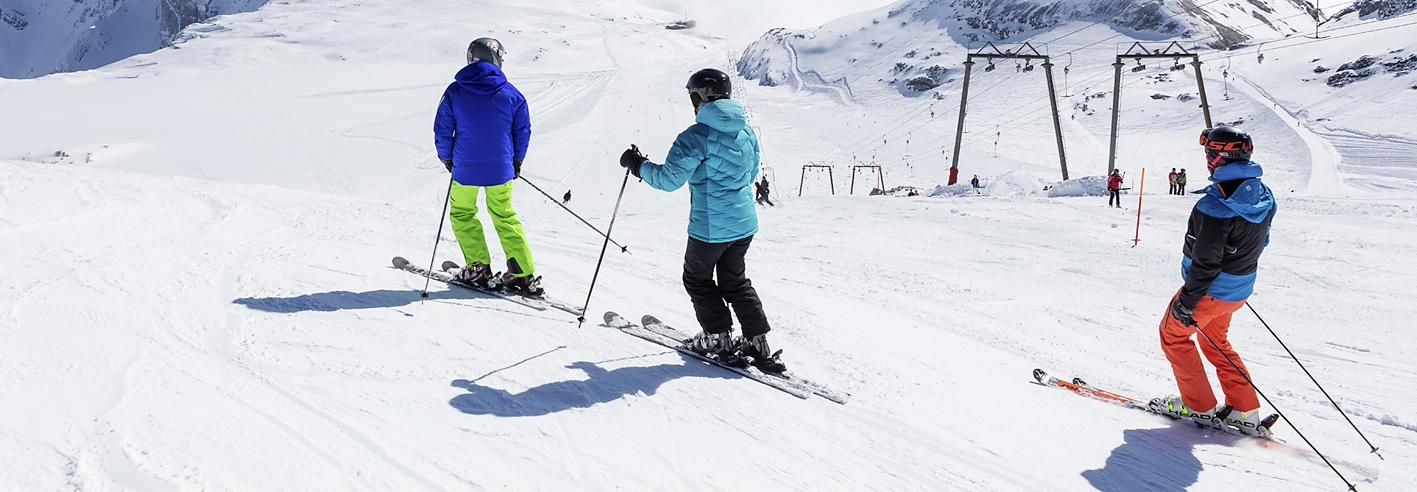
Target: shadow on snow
(1161, 459)
(342, 299)
(600, 386)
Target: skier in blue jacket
(481, 133)
(718, 158)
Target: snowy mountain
(902, 42)
(39, 37)
(198, 293)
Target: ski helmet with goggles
(1224, 145)
(709, 85)
(486, 49)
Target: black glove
(631, 159)
(517, 168)
(1181, 312)
(448, 164)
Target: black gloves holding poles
(516, 167)
(631, 159)
(1182, 312)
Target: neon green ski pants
(467, 228)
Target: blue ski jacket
(718, 158)
(482, 126)
(1227, 231)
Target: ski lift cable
(1211, 56)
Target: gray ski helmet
(710, 84)
(486, 49)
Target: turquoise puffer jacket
(718, 158)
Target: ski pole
(623, 248)
(1373, 449)
(429, 277)
(1275, 407)
(580, 321)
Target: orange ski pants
(1213, 317)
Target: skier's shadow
(1161, 459)
(600, 386)
(340, 300)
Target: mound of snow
(1010, 184)
(1016, 184)
(1084, 186)
(960, 189)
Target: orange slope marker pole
(1141, 187)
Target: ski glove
(1181, 312)
(632, 159)
(517, 169)
(448, 164)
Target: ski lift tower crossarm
(831, 181)
(1027, 53)
(1139, 51)
(859, 166)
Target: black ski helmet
(709, 84)
(1224, 145)
(486, 49)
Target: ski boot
(527, 286)
(477, 275)
(1171, 406)
(717, 346)
(1249, 422)
(760, 355)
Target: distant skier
(566, 198)
(1181, 183)
(763, 197)
(718, 158)
(974, 183)
(1171, 178)
(1114, 189)
(481, 133)
(1227, 231)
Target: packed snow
(200, 295)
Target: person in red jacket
(1114, 189)
(1171, 178)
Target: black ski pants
(1114, 197)
(711, 299)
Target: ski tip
(449, 265)
(400, 262)
(650, 320)
(610, 317)
(1040, 375)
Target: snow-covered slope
(39, 37)
(198, 295)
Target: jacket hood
(481, 78)
(725, 115)
(1251, 200)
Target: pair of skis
(653, 330)
(541, 303)
(1081, 388)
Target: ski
(537, 304)
(1081, 388)
(618, 322)
(449, 266)
(655, 325)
